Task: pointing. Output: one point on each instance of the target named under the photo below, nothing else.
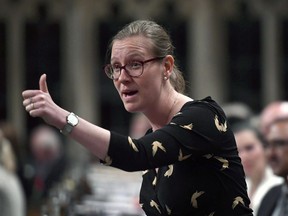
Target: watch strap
(66, 129)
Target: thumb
(43, 84)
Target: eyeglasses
(133, 68)
(276, 144)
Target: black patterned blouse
(200, 172)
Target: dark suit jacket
(269, 201)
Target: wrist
(71, 121)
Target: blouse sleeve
(198, 129)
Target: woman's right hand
(38, 103)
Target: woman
(260, 177)
(190, 156)
(12, 199)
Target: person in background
(18, 148)
(274, 110)
(12, 199)
(275, 202)
(10, 133)
(237, 112)
(259, 176)
(189, 158)
(45, 167)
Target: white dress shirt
(269, 180)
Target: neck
(255, 182)
(162, 113)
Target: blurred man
(275, 202)
(46, 165)
(274, 110)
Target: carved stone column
(271, 58)
(207, 51)
(79, 92)
(272, 76)
(15, 68)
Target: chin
(131, 109)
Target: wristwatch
(72, 120)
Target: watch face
(72, 119)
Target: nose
(124, 76)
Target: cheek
(284, 156)
(281, 154)
(116, 85)
(152, 76)
(258, 155)
(149, 86)
(252, 157)
(246, 160)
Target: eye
(134, 65)
(116, 67)
(249, 147)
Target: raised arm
(38, 103)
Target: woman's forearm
(94, 138)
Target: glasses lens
(134, 68)
(109, 71)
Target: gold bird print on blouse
(168, 210)
(154, 182)
(181, 157)
(154, 204)
(225, 162)
(144, 172)
(132, 144)
(220, 126)
(188, 127)
(108, 160)
(208, 156)
(169, 172)
(179, 113)
(236, 201)
(194, 198)
(155, 146)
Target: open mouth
(129, 93)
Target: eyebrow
(132, 55)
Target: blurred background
(233, 50)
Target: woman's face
(138, 94)
(251, 152)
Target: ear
(169, 64)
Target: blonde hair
(161, 41)
(7, 157)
